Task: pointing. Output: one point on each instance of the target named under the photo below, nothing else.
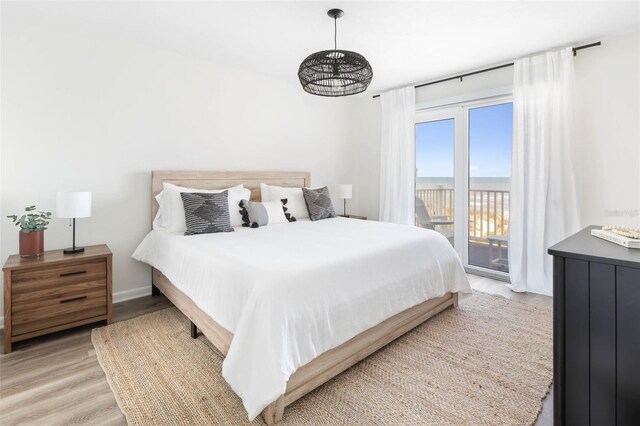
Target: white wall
(81, 112)
(607, 142)
(607, 138)
(473, 84)
(366, 165)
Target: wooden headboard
(219, 180)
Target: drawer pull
(75, 299)
(68, 274)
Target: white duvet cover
(291, 291)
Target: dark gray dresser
(596, 332)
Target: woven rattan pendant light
(335, 72)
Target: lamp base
(72, 250)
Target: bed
(292, 305)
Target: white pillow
(265, 194)
(173, 209)
(275, 212)
(158, 221)
(295, 204)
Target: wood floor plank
(56, 379)
(67, 379)
(85, 395)
(49, 367)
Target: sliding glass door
(435, 172)
(490, 136)
(463, 174)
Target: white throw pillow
(173, 209)
(275, 212)
(295, 204)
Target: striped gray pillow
(206, 213)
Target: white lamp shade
(344, 191)
(73, 204)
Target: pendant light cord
(335, 33)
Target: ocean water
(486, 183)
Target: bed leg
(274, 411)
(194, 331)
(155, 291)
(455, 300)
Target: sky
(490, 135)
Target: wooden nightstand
(55, 291)
(353, 216)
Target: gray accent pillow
(318, 203)
(256, 214)
(253, 214)
(206, 213)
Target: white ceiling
(405, 42)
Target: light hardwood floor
(56, 379)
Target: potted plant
(32, 226)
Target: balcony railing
(488, 213)
(439, 202)
(488, 210)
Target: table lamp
(344, 191)
(73, 205)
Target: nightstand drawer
(51, 278)
(71, 304)
(66, 291)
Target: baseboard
(118, 297)
(134, 293)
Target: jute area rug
(488, 362)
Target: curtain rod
(461, 76)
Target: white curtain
(543, 202)
(397, 156)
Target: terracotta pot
(31, 243)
